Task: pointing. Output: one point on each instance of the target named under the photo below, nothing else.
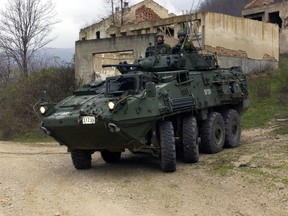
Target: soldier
(160, 47)
(184, 44)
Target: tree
(117, 11)
(25, 26)
(6, 66)
(230, 7)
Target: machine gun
(123, 67)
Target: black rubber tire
(81, 159)
(189, 140)
(110, 157)
(232, 128)
(168, 148)
(212, 133)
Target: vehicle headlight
(43, 110)
(111, 105)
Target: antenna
(189, 22)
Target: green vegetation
(269, 99)
(17, 117)
(33, 137)
(222, 169)
(254, 163)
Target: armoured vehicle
(165, 105)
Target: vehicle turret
(158, 63)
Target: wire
(193, 8)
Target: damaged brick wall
(221, 51)
(145, 14)
(226, 52)
(258, 3)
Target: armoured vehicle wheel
(110, 157)
(190, 137)
(81, 159)
(232, 128)
(212, 133)
(168, 148)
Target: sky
(76, 14)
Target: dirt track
(39, 179)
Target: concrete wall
(256, 40)
(85, 52)
(247, 65)
(237, 41)
(284, 41)
(263, 11)
(110, 58)
(89, 32)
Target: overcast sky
(76, 14)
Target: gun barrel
(120, 65)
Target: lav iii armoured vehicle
(161, 104)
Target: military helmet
(160, 34)
(181, 32)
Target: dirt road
(39, 179)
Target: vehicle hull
(115, 136)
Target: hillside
(65, 54)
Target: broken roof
(259, 3)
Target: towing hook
(113, 127)
(46, 131)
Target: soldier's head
(181, 35)
(159, 38)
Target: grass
(254, 162)
(33, 138)
(222, 169)
(263, 171)
(268, 100)
(257, 176)
(285, 181)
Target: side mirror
(150, 89)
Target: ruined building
(147, 10)
(271, 11)
(236, 41)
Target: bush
(268, 93)
(17, 99)
(261, 86)
(283, 77)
